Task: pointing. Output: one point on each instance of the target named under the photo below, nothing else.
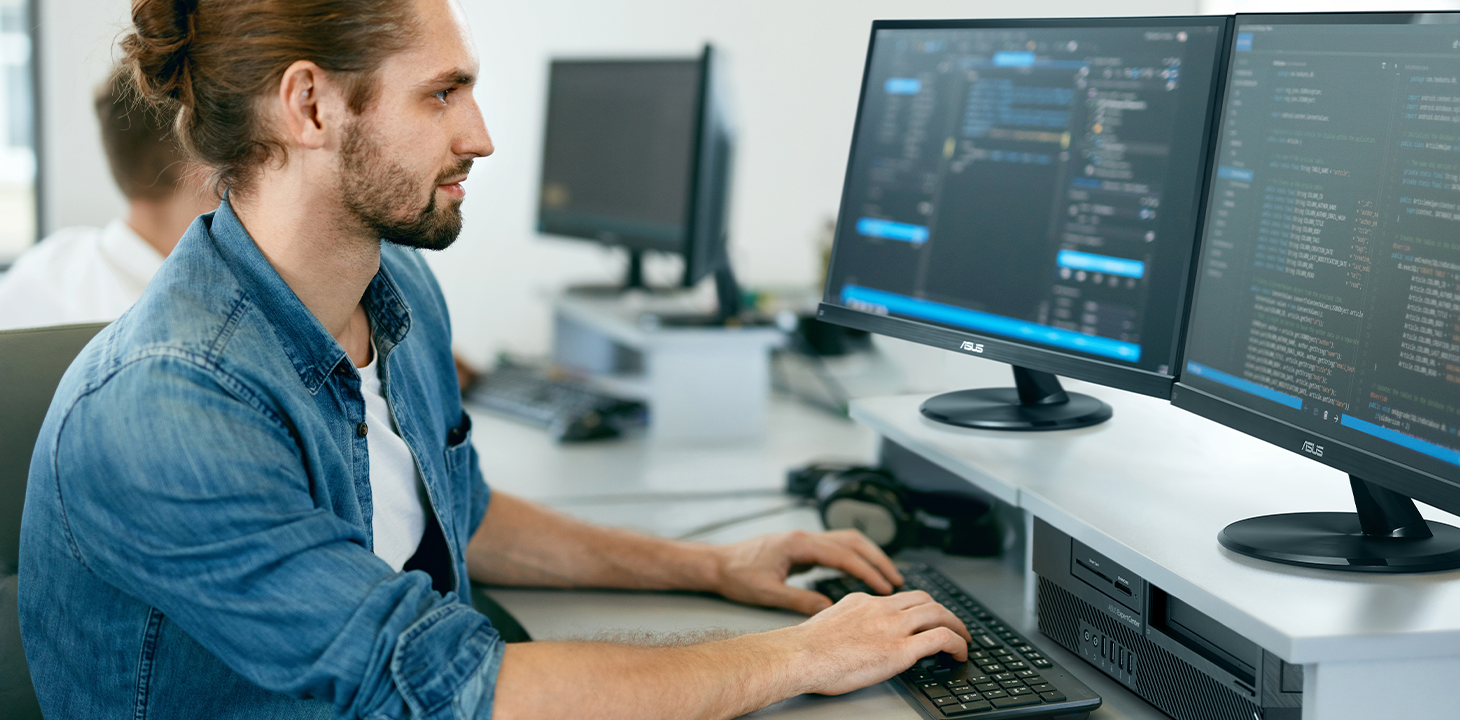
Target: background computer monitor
(1028, 191)
(1326, 314)
(637, 154)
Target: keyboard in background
(1007, 676)
(570, 410)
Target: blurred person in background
(87, 274)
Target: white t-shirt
(399, 520)
(77, 275)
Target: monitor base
(1038, 403)
(1386, 535)
(1334, 541)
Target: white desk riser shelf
(1152, 488)
(701, 383)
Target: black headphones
(893, 515)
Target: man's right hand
(862, 640)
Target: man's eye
(441, 95)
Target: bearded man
(256, 496)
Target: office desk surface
(652, 487)
(1152, 488)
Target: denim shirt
(196, 541)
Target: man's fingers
(835, 555)
(874, 555)
(806, 602)
(939, 639)
(931, 615)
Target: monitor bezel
(1015, 352)
(1382, 469)
(631, 241)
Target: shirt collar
(310, 348)
(129, 252)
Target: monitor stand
(1036, 403)
(633, 280)
(1386, 535)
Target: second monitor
(1029, 191)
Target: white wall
(795, 65)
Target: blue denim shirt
(196, 540)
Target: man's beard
(383, 196)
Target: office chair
(31, 364)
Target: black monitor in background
(637, 154)
(1326, 314)
(1028, 191)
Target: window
(18, 221)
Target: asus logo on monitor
(1311, 449)
(972, 347)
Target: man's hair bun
(159, 49)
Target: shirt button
(362, 429)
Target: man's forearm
(721, 679)
(522, 543)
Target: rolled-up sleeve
(188, 492)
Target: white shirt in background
(399, 519)
(77, 275)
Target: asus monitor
(1029, 191)
(1326, 313)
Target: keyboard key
(986, 641)
(1026, 674)
(1006, 684)
(936, 691)
(950, 700)
(976, 679)
(1016, 692)
(995, 694)
(1020, 701)
(1042, 688)
(1053, 696)
(929, 683)
(994, 669)
(1016, 665)
(966, 708)
(1002, 652)
(1004, 676)
(977, 654)
(960, 689)
(970, 697)
(1041, 663)
(1033, 656)
(986, 687)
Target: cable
(738, 519)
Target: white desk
(1152, 488)
(628, 483)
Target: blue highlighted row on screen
(893, 303)
(1101, 264)
(1231, 173)
(1247, 386)
(1244, 42)
(1014, 59)
(1398, 438)
(907, 232)
(903, 86)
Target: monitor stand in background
(728, 305)
(1037, 402)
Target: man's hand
(754, 571)
(864, 640)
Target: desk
(628, 483)
(1152, 488)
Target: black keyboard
(568, 409)
(1006, 675)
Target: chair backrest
(32, 362)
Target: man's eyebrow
(455, 76)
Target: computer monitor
(1028, 191)
(637, 154)
(1326, 313)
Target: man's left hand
(754, 571)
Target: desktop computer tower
(1186, 664)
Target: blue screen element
(1399, 438)
(903, 86)
(1013, 59)
(1101, 264)
(1247, 386)
(854, 296)
(907, 232)
(1244, 42)
(1231, 173)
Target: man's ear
(311, 106)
